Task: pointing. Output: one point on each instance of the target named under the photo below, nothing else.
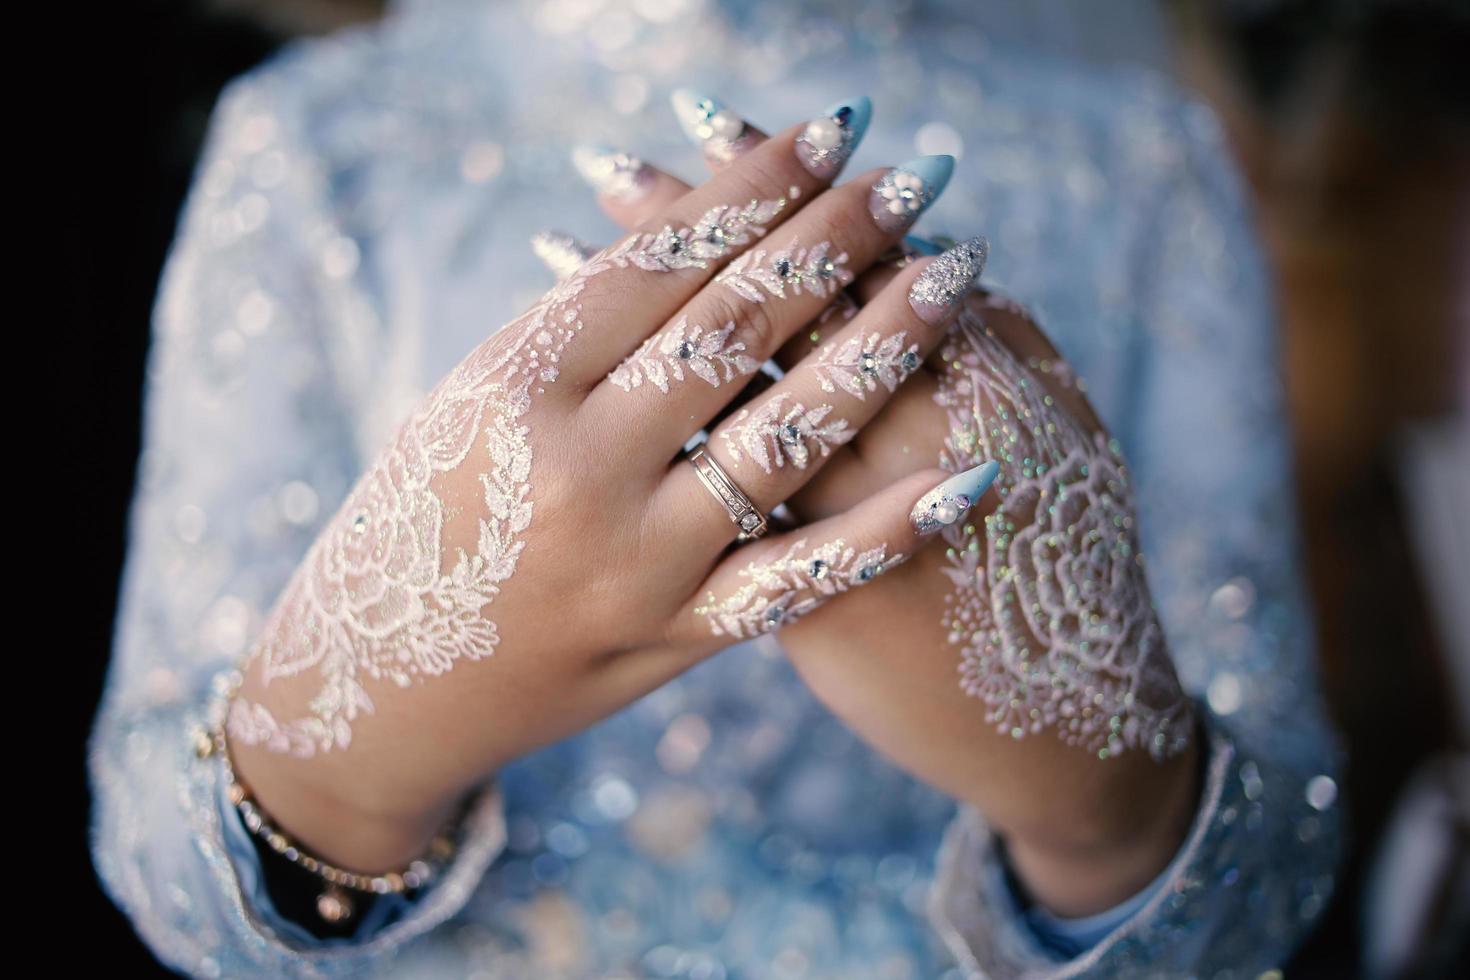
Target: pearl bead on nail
(726, 125)
(824, 134)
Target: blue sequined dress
(358, 222)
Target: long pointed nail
(904, 192)
(947, 503)
(613, 174)
(828, 140)
(716, 130)
(939, 287)
(560, 252)
(920, 246)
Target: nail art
(815, 270)
(560, 252)
(917, 245)
(716, 130)
(613, 174)
(951, 500)
(828, 140)
(939, 287)
(902, 194)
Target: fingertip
(952, 498)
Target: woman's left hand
(1020, 669)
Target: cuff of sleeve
(228, 850)
(976, 912)
(1071, 937)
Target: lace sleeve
(249, 442)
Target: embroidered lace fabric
(357, 223)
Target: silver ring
(743, 514)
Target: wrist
(363, 832)
(1115, 842)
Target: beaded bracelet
(335, 904)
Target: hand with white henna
(1020, 668)
(532, 551)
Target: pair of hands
(534, 516)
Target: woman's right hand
(530, 554)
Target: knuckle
(755, 323)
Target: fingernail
(716, 130)
(947, 503)
(560, 252)
(828, 140)
(903, 193)
(915, 245)
(613, 174)
(943, 281)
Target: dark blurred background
(1351, 121)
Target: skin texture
(528, 555)
(1083, 833)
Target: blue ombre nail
(949, 502)
(828, 140)
(716, 130)
(922, 246)
(902, 194)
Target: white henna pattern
(755, 273)
(1052, 614)
(379, 595)
(718, 231)
(774, 434)
(787, 588)
(707, 354)
(859, 364)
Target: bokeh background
(1351, 122)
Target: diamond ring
(743, 514)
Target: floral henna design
(1052, 615)
(707, 354)
(773, 434)
(718, 230)
(381, 595)
(860, 364)
(780, 591)
(815, 270)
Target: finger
(909, 438)
(628, 190)
(823, 145)
(771, 448)
(759, 300)
(767, 584)
(693, 238)
(858, 293)
(560, 252)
